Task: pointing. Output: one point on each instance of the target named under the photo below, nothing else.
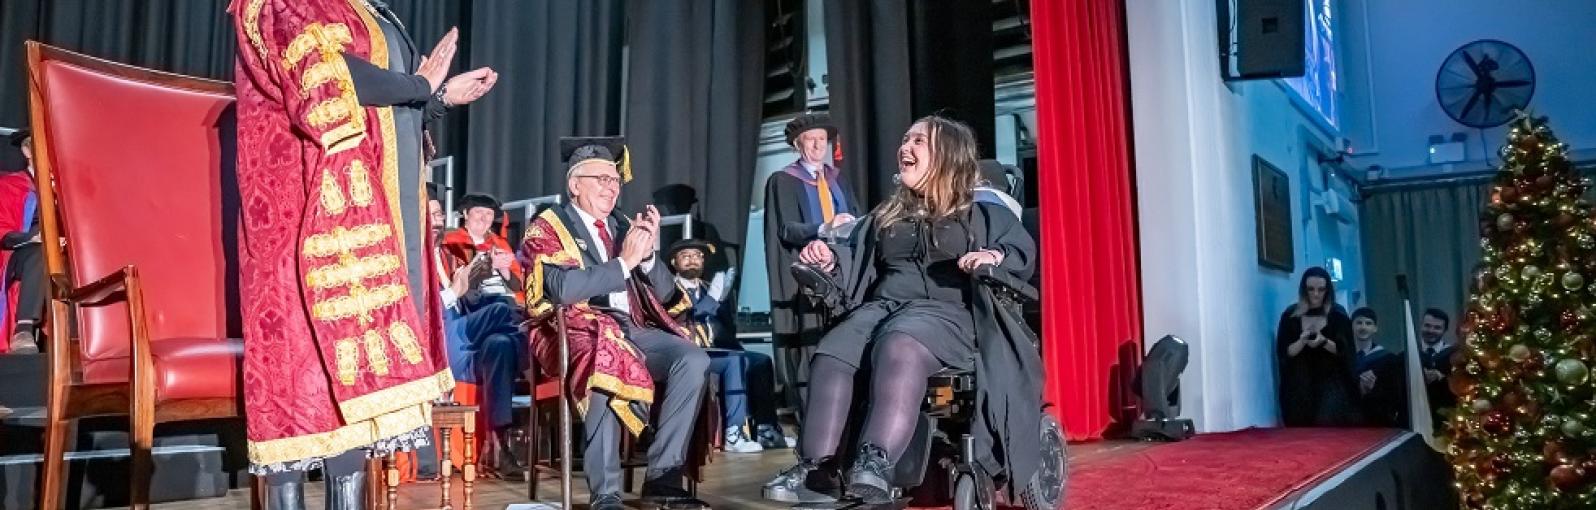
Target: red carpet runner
(1241, 470)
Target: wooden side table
(445, 418)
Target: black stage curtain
(868, 67)
(694, 96)
(559, 64)
(187, 37)
(892, 61)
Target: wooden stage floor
(732, 481)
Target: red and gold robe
(602, 359)
(336, 354)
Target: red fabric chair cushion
(185, 368)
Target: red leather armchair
(132, 169)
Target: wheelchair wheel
(1045, 491)
(966, 493)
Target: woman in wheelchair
(905, 276)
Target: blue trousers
(492, 353)
(729, 367)
(747, 385)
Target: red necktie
(604, 237)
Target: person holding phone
(477, 242)
(1315, 351)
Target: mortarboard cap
(576, 150)
(809, 121)
(690, 244)
(478, 200)
(21, 135)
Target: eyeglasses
(690, 255)
(607, 180)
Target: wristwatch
(438, 94)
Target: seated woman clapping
(905, 272)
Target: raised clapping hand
(639, 243)
(463, 88)
(435, 66)
(817, 254)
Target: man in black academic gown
(1435, 359)
(805, 201)
(1381, 386)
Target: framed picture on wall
(1271, 198)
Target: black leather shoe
(286, 496)
(347, 492)
(606, 502)
(871, 475)
(664, 490)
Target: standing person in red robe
(343, 351)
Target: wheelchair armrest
(991, 275)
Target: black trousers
(26, 267)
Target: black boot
(285, 496)
(870, 479)
(347, 491)
(512, 465)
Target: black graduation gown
(786, 233)
(1439, 392)
(1384, 405)
(1316, 387)
(1008, 365)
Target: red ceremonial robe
(336, 355)
(460, 249)
(602, 359)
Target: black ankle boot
(347, 492)
(870, 479)
(285, 496)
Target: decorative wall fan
(1483, 82)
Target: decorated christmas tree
(1522, 436)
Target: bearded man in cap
(598, 268)
(803, 202)
(746, 377)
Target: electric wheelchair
(939, 463)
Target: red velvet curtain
(1091, 342)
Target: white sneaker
(736, 442)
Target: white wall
(1392, 50)
(1194, 140)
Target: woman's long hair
(949, 183)
(1303, 306)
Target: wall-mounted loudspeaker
(1261, 39)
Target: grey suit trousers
(681, 368)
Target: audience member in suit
(747, 384)
(1381, 387)
(1314, 348)
(1435, 358)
